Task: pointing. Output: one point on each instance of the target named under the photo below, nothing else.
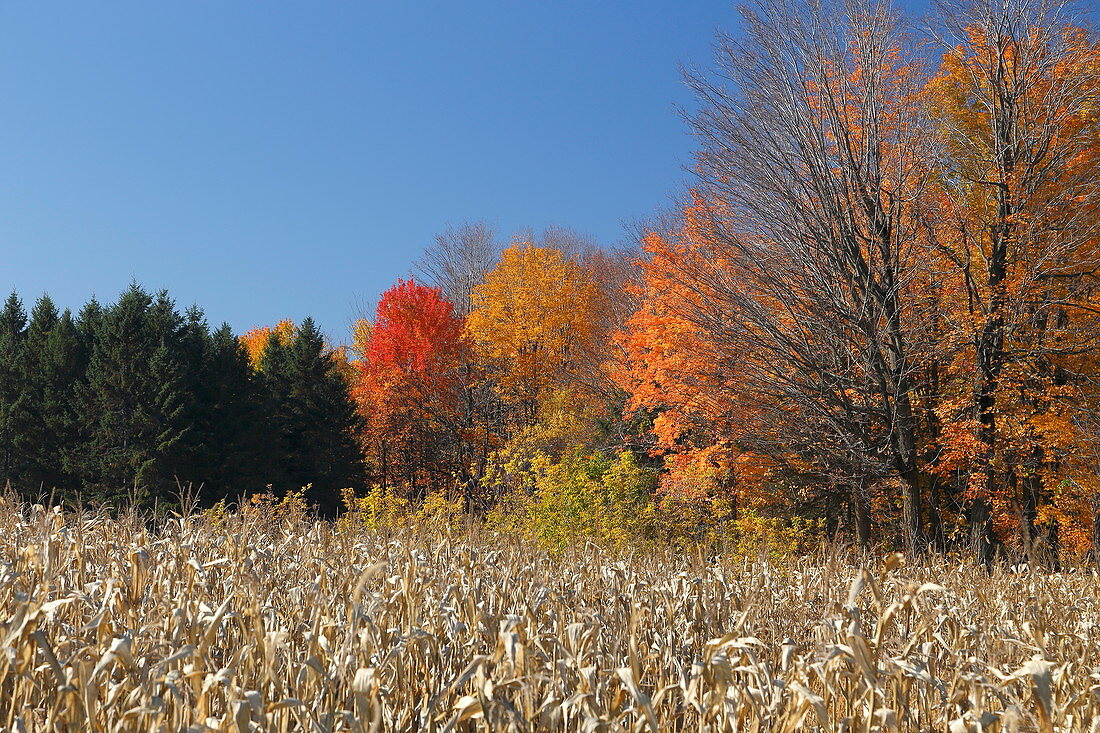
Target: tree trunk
(1096, 529)
(981, 531)
(911, 511)
(1034, 545)
(936, 534)
(861, 515)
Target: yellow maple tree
(530, 319)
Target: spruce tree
(14, 418)
(315, 416)
(126, 400)
(131, 403)
(194, 453)
(52, 364)
(235, 423)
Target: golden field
(264, 620)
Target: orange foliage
(998, 284)
(679, 371)
(1017, 226)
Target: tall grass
(265, 621)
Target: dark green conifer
(52, 365)
(13, 396)
(315, 415)
(236, 423)
(131, 402)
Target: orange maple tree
(1017, 199)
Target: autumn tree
(1018, 187)
(885, 280)
(530, 319)
(410, 387)
(804, 239)
(255, 340)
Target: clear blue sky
(281, 159)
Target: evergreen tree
(236, 422)
(315, 416)
(132, 406)
(88, 321)
(191, 460)
(13, 396)
(128, 400)
(52, 365)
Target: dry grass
(261, 623)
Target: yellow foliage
(753, 535)
(592, 498)
(562, 426)
(530, 317)
(256, 339)
(440, 513)
(378, 509)
(382, 509)
(274, 510)
(510, 514)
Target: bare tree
(568, 241)
(456, 263)
(458, 260)
(810, 184)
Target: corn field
(264, 622)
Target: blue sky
(281, 159)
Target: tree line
(875, 311)
(874, 316)
(131, 402)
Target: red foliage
(408, 385)
(415, 333)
